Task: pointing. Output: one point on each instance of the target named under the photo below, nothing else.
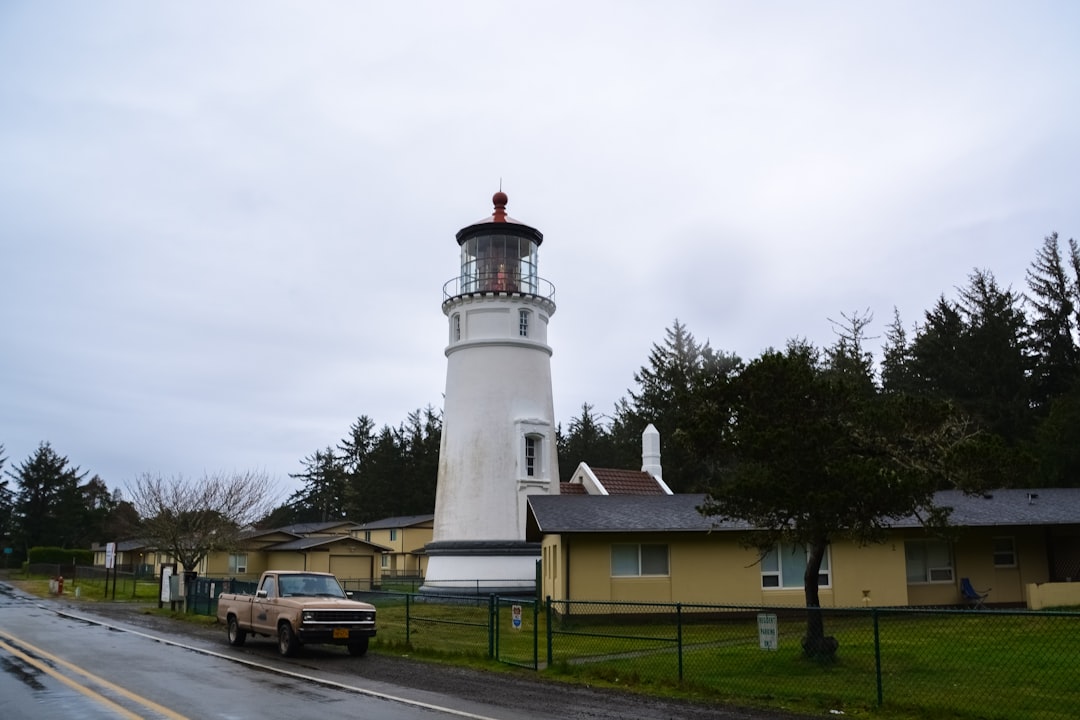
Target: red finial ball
(499, 199)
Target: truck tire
(237, 636)
(287, 642)
(358, 648)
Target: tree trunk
(816, 645)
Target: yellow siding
(715, 568)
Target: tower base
(481, 567)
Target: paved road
(61, 661)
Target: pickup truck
(298, 607)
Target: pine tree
(1053, 299)
(47, 504)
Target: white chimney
(650, 452)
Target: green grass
(959, 665)
(950, 666)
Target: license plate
(341, 633)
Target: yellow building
(1023, 546)
(405, 538)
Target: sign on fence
(768, 631)
(515, 614)
(110, 555)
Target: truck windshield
(310, 586)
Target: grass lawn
(962, 665)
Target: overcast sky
(225, 227)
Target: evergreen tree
(896, 363)
(47, 505)
(1053, 299)
(818, 453)
(668, 397)
(323, 496)
(586, 440)
(6, 507)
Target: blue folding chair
(974, 597)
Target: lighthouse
(498, 435)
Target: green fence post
(877, 657)
(408, 634)
(492, 624)
(678, 636)
(536, 634)
(547, 611)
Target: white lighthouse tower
(498, 436)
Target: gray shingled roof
(622, 513)
(678, 513)
(1049, 506)
(306, 543)
(396, 522)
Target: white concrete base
(487, 571)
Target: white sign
(515, 613)
(768, 631)
(166, 584)
(110, 556)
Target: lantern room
(498, 255)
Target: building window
(532, 455)
(523, 323)
(785, 567)
(928, 561)
(238, 564)
(1004, 552)
(367, 536)
(639, 560)
(393, 535)
(457, 327)
(384, 561)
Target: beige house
(324, 547)
(405, 538)
(1022, 545)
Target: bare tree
(192, 518)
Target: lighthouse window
(532, 455)
(457, 327)
(523, 323)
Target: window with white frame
(393, 534)
(523, 323)
(456, 335)
(785, 567)
(367, 536)
(384, 561)
(1004, 552)
(928, 561)
(639, 560)
(532, 455)
(238, 564)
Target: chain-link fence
(986, 664)
(918, 662)
(937, 663)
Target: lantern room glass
(499, 263)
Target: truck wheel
(236, 635)
(358, 648)
(287, 642)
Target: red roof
(568, 488)
(628, 482)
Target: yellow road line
(124, 692)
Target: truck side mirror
(260, 593)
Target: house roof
(627, 482)
(313, 528)
(621, 513)
(1034, 506)
(402, 521)
(307, 543)
(551, 514)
